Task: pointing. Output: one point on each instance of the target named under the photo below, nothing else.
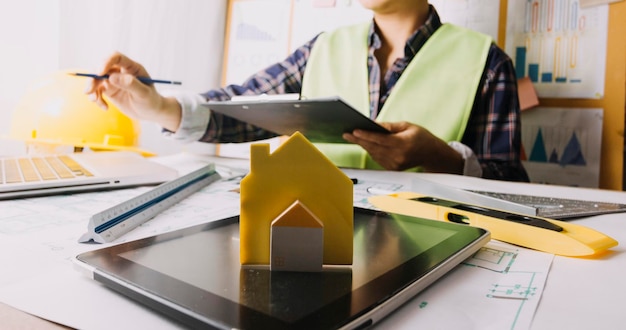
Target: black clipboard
(319, 120)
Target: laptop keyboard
(559, 208)
(33, 169)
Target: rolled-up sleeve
(194, 118)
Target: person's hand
(406, 147)
(134, 98)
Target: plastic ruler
(110, 224)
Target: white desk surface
(581, 293)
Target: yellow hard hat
(55, 110)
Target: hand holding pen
(145, 80)
(128, 85)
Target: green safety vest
(436, 90)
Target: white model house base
(297, 241)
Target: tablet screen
(200, 265)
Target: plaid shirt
(493, 131)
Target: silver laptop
(26, 176)
(545, 207)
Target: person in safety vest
(447, 94)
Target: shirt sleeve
(194, 119)
(471, 165)
(494, 129)
(200, 124)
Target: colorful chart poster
(560, 46)
(562, 146)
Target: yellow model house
(295, 172)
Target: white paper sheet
(499, 288)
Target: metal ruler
(108, 225)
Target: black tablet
(193, 275)
(319, 120)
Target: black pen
(144, 80)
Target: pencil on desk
(144, 80)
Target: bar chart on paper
(566, 150)
(559, 46)
(562, 145)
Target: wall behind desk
(29, 35)
(174, 40)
